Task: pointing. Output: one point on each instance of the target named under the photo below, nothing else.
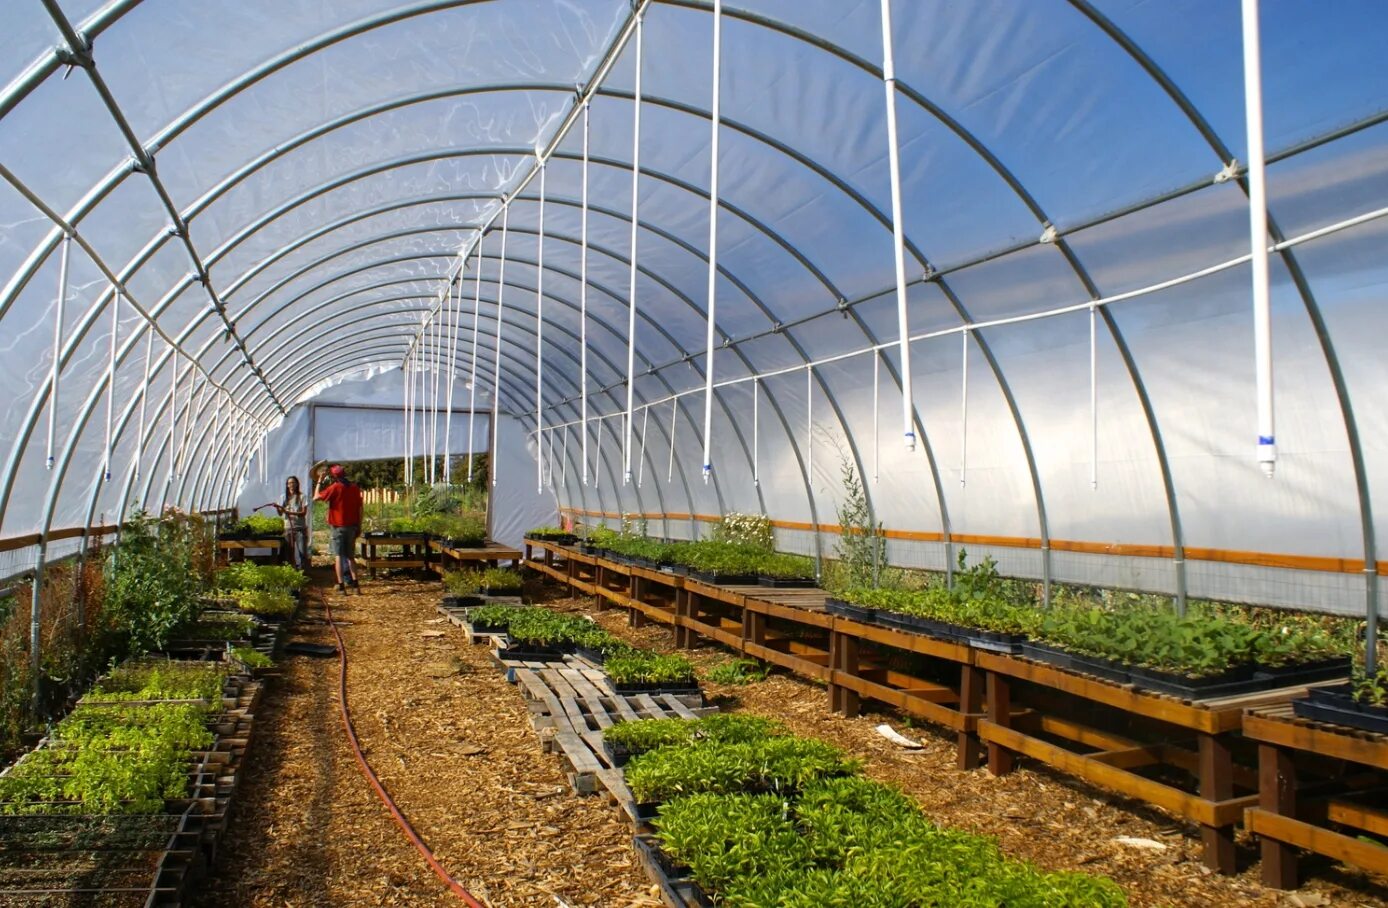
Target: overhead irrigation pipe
(405, 414)
(641, 460)
(583, 300)
(711, 310)
(631, 280)
(472, 368)
(540, 335)
(1258, 237)
(898, 228)
(496, 373)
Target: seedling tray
(1229, 684)
(633, 690)
(849, 610)
(1100, 668)
(718, 579)
(674, 884)
(1048, 654)
(996, 642)
(531, 654)
(463, 601)
(1306, 672)
(788, 583)
(1337, 706)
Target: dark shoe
(341, 588)
(356, 586)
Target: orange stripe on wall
(1316, 563)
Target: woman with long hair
(295, 511)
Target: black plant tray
(849, 610)
(463, 601)
(647, 810)
(1048, 654)
(1100, 668)
(617, 754)
(595, 656)
(633, 690)
(527, 653)
(452, 543)
(1337, 706)
(679, 570)
(996, 642)
(788, 583)
(501, 592)
(717, 579)
(1229, 684)
(673, 882)
(487, 628)
(914, 624)
(561, 539)
(1306, 672)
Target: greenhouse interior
(762, 453)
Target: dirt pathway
(451, 741)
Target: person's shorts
(344, 541)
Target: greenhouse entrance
(747, 453)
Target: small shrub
(265, 603)
(738, 671)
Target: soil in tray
(788, 583)
(849, 610)
(723, 579)
(531, 654)
(60, 833)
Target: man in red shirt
(344, 522)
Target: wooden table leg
(1000, 759)
(1217, 784)
(1277, 794)
(969, 748)
(843, 657)
(684, 637)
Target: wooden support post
(1277, 794)
(599, 581)
(843, 657)
(969, 748)
(1217, 784)
(684, 637)
(1000, 759)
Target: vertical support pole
(809, 425)
(710, 333)
(635, 226)
(496, 374)
(964, 407)
(876, 430)
(144, 399)
(756, 432)
(674, 417)
(1093, 397)
(540, 337)
(59, 305)
(641, 458)
(843, 660)
(111, 382)
(583, 302)
(452, 364)
(903, 318)
(472, 373)
(1277, 795)
(36, 621)
(1217, 784)
(1258, 237)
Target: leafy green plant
(782, 764)
(751, 530)
(152, 585)
(463, 583)
(644, 667)
(726, 837)
(249, 657)
(160, 680)
(737, 671)
(497, 616)
(265, 603)
(501, 581)
(861, 547)
(260, 525)
(220, 628)
(641, 735)
(548, 532)
(247, 575)
(786, 567)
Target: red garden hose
(400, 819)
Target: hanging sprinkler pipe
(903, 318)
(472, 374)
(563, 464)
(407, 381)
(1258, 237)
(674, 419)
(173, 416)
(710, 331)
(809, 423)
(876, 422)
(57, 347)
(583, 302)
(635, 224)
(756, 434)
(496, 374)
(540, 333)
(964, 407)
(641, 459)
(1093, 397)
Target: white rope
(631, 280)
(563, 463)
(756, 434)
(674, 418)
(408, 381)
(876, 421)
(1093, 397)
(809, 423)
(641, 460)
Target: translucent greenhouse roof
(211, 211)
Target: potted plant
(462, 589)
(778, 569)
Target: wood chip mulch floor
(452, 742)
